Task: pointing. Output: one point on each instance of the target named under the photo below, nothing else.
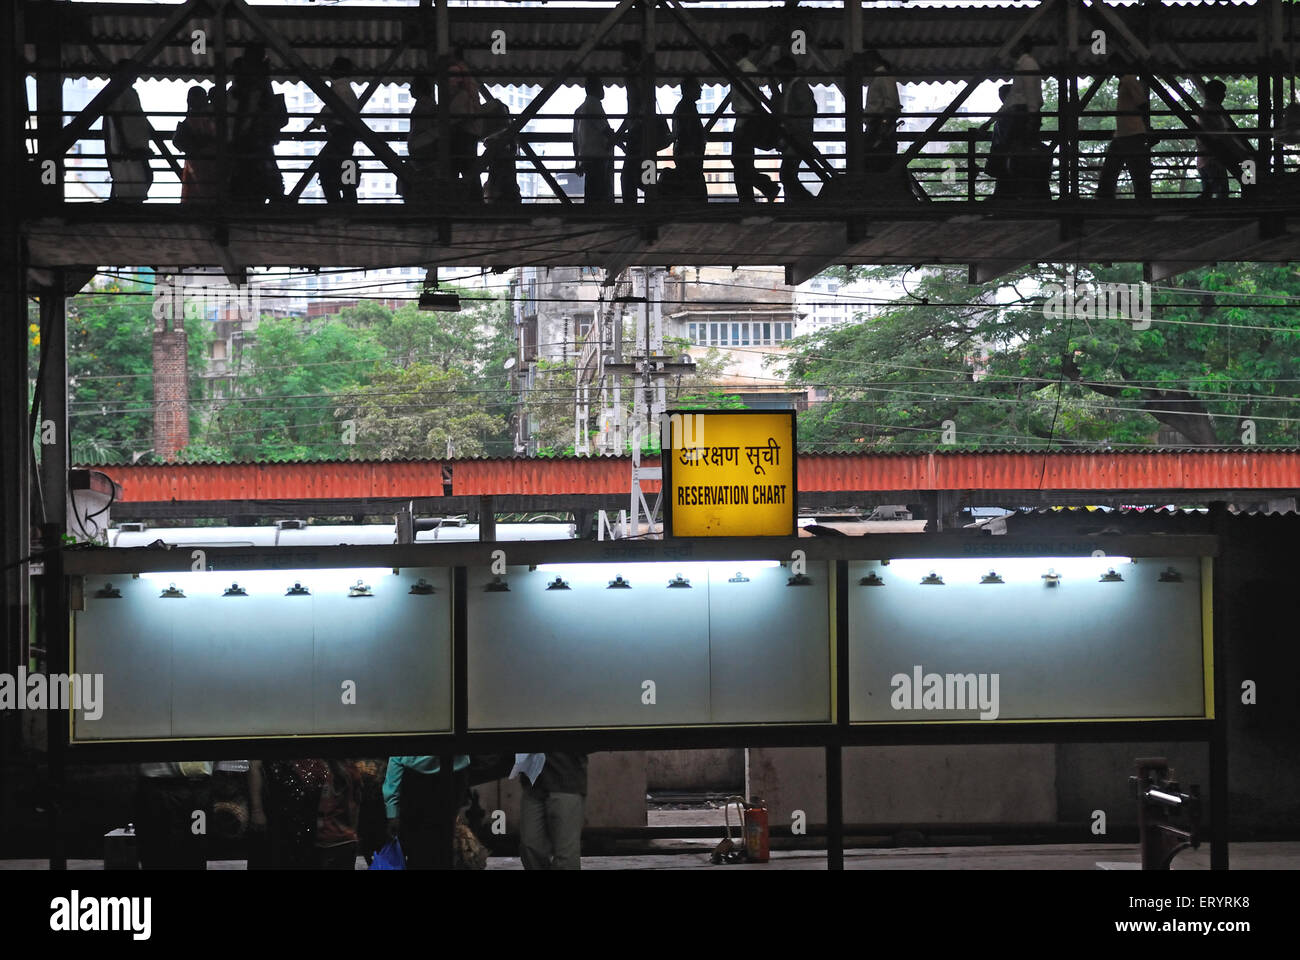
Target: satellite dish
(510, 364)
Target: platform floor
(1244, 856)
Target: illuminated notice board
(729, 473)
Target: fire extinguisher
(755, 826)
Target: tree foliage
(987, 363)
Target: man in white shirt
(127, 133)
(593, 145)
(881, 113)
(1027, 90)
(1130, 145)
(339, 171)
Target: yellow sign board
(730, 473)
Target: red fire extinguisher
(755, 825)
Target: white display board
(1053, 640)
(266, 664)
(739, 645)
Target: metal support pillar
(1223, 587)
(647, 80)
(442, 64)
(218, 99)
(487, 520)
(448, 801)
(1067, 103)
(854, 135)
(840, 716)
(49, 101)
(834, 808)
(15, 438)
(52, 430)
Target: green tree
(420, 410)
(1220, 349)
(110, 372)
(286, 392)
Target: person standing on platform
(552, 809)
(168, 796)
(338, 816)
(339, 171)
(127, 132)
(414, 806)
(1130, 145)
(593, 145)
(284, 801)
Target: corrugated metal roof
(278, 481)
(1147, 470)
(923, 44)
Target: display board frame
(837, 731)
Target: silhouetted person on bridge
(127, 133)
(686, 180)
(593, 145)
(753, 125)
(501, 148)
(1026, 98)
(421, 139)
(196, 137)
(258, 115)
(339, 171)
(642, 142)
(797, 109)
(1217, 149)
(881, 114)
(1130, 145)
(465, 107)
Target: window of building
(789, 327)
(735, 334)
(690, 327)
(744, 334)
(767, 333)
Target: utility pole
(650, 366)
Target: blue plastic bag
(389, 857)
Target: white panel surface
(756, 651)
(1080, 649)
(267, 664)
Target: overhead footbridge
(930, 200)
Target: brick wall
(171, 413)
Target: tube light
(1012, 570)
